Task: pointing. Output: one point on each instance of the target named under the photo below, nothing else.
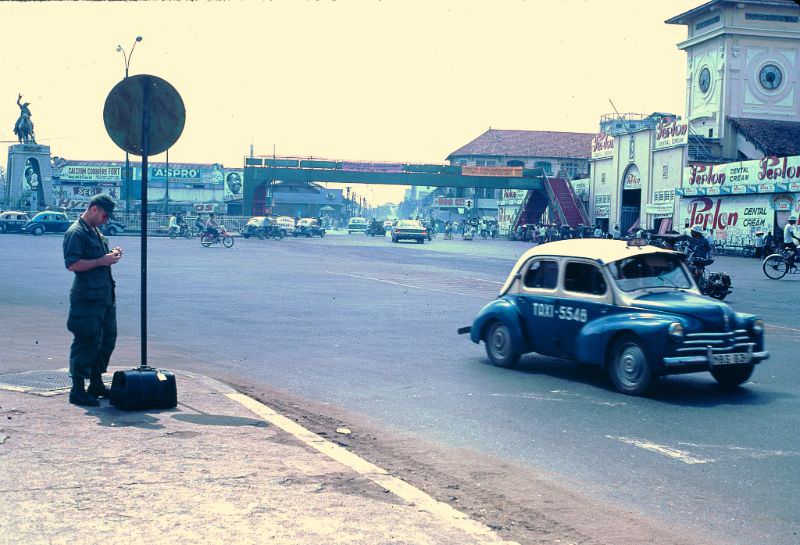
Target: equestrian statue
(24, 126)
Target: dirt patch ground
(520, 504)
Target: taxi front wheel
(499, 347)
(629, 368)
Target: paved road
(369, 326)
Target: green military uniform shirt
(95, 286)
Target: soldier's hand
(110, 258)
(118, 250)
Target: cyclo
(778, 265)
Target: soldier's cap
(105, 202)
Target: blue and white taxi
(631, 308)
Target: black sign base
(144, 388)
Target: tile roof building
(527, 145)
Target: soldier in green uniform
(92, 310)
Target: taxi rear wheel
(733, 376)
(499, 348)
(629, 369)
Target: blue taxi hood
(709, 311)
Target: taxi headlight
(757, 327)
(675, 332)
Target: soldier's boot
(97, 388)
(79, 396)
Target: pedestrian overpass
(261, 172)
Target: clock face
(704, 80)
(770, 77)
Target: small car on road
(308, 227)
(357, 225)
(12, 221)
(47, 222)
(629, 308)
(261, 227)
(409, 230)
(111, 228)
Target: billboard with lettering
(728, 217)
(602, 146)
(91, 173)
(669, 135)
(767, 175)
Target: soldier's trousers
(95, 329)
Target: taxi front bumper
(714, 358)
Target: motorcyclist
(199, 224)
(375, 227)
(180, 222)
(701, 248)
(172, 227)
(212, 227)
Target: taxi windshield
(650, 271)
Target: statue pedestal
(29, 174)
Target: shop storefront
(735, 200)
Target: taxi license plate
(730, 359)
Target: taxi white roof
(602, 250)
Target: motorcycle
(376, 230)
(713, 284)
(182, 231)
(221, 237)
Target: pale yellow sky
(392, 80)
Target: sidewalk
(220, 468)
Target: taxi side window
(542, 275)
(584, 278)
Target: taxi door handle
(604, 311)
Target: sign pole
(145, 150)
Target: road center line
(379, 476)
(680, 455)
(361, 277)
(793, 330)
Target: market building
(555, 153)
(637, 166)
(743, 103)
(729, 165)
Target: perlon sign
(602, 146)
(671, 134)
(763, 174)
(742, 214)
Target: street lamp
(127, 59)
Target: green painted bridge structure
(260, 172)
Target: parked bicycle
(776, 266)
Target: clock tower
(742, 64)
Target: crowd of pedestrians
(539, 233)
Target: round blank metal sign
(128, 103)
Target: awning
(666, 225)
(634, 227)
